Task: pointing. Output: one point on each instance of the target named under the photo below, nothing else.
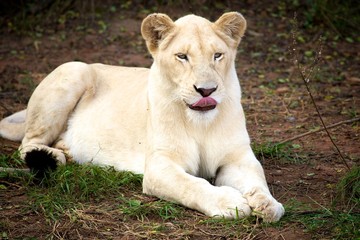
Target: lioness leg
(166, 179)
(243, 171)
(48, 112)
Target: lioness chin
(179, 122)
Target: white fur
(139, 120)
(12, 127)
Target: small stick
(10, 170)
(306, 80)
(319, 130)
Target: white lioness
(179, 122)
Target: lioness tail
(13, 126)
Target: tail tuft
(40, 162)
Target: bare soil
(275, 100)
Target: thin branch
(306, 74)
(11, 170)
(306, 80)
(319, 130)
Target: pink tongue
(205, 102)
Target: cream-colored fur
(156, 121)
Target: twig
(13, 185)
(10, 170)
(207, 233)
(306, 80)
(306, 74)
(319, 130)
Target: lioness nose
(205, 92)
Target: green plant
(348, 188)
(341, 16)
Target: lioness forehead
(194, 24)
(196, 33)
(191, 20)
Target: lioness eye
(181, 57)
(218, 56)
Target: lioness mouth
(204, 104)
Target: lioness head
(195, 59)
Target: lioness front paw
(229, 203)
(264, 205)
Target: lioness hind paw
(40, 161)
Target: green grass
(328, 223)
(72, 184)
(340, 221)
(19, 177)
(136, 208)
(348, 189)
(69, 191)
(12, 160)
(282, 153)
(241, 228)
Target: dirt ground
(275, 100)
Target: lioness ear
(233, 25)
(155, 28)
